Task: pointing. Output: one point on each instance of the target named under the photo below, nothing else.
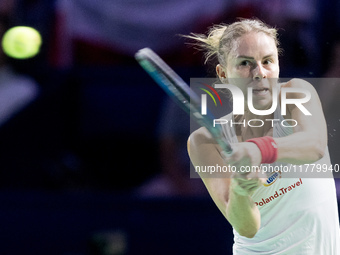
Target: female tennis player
(278, 215)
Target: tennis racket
(180, 92)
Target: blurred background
(92, 152)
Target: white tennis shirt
(298, 215)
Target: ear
(221, 73)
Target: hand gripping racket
(180, 92)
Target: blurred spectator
(114, 242)
(118, 29)
(174, 177)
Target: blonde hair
(222, 38)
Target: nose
(259, 73)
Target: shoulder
(200, 136)
(197, 139)
(297, 88)
(297, 83)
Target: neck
(249, 116)
(255, 125)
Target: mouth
(261, 92)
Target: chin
(263, 104)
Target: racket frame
(181, 93)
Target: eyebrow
(247, 57)
(243, 56)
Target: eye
(245, 63)
(267, 61)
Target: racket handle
(226, 147)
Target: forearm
(242, 213)
(301, 148)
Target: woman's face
(254, 63)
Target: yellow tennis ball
(21, 42)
